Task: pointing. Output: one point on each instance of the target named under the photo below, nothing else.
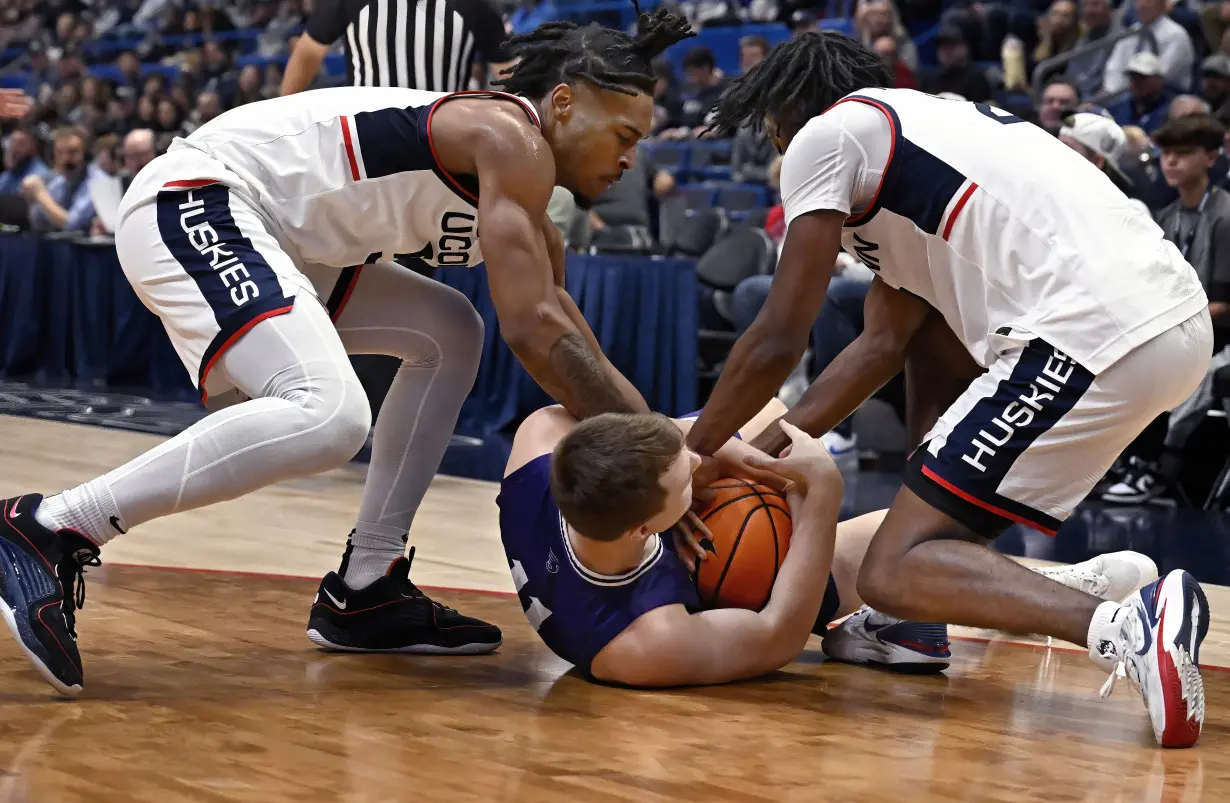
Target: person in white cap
(1148, 101)
(1173, 48)
(1101, 141)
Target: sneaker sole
(11, 620)
(480, 648)
(1178, 718)
(887, 656)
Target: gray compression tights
(308, 411)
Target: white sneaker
(1158, 649)
(838, 444)
(1111, 577)
(870, 637)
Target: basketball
(751, 532)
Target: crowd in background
(1150, 111)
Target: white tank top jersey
(992, 221)
(343, 176)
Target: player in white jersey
(1085, 321)
(264, 241)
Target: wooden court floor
(200, 686)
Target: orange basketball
(751, 533)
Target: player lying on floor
(581, 506)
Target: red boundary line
(975, 639)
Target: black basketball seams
(734, 549)
(766, 501)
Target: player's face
(677, 482)
(596, 135)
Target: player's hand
(693, 541)
(14, 104)
(807, 465)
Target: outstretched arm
(891, 317)
(555, 246)
(517, 174)
(773, 345)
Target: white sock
(372, 548)
(1104, 645)
(89, 509)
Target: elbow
(789, 646)
(519, 339)
(774, 349)
(883, 349)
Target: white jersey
(344, 176)
(1006, 231)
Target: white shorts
(203, 259)
(1029, 439)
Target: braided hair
(799, 80)
(557, 52)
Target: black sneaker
(1143, 486)
(392, 615)
(41, 587)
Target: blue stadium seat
(724, 42)
(672, 156)
(698, 196)
(741, 198)
(710, 159)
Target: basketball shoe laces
(71, 574)
(413, 591)
(1082, 579)
(1189, 675)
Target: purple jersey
(576, 611)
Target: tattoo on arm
(586, 389)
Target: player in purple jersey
(581, 509)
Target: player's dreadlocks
(799, 80)
(557, 52)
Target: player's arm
(517, 174)
(555, 247)
(733, 455)
(324, 26)
(891, 317)
(669, 647)
(491, 38)
(819, 174)
(770, 349)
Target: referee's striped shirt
(415, 44)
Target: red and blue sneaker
(870, 638)
(1158, 650)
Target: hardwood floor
(200, 686)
